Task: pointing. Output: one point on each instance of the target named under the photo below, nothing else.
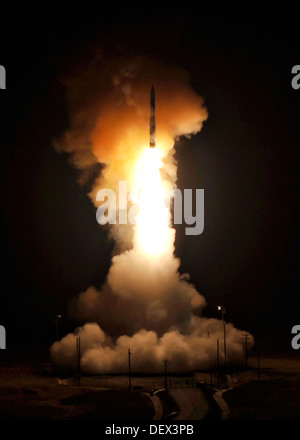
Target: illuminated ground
(275, 396)
(27, 393)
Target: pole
(218, 365)
(245, 336)
(223, 311)
(78, 354)
(57, 320)
(129, 368)
(166, 377)
(225, 355)
(57, 333)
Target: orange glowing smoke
(109, 113)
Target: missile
(152, 118)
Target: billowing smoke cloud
(185, 352)
(145, 304)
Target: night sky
(245, 158)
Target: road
(192, 403)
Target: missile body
(152, 118)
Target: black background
(245, 158)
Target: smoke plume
(145, 304)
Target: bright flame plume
(152, 231)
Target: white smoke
(185, 352)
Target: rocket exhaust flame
(152, 226)
(145, 304)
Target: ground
(28, 392)
(275, 396)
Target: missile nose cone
(152, 117)
(152, 91)
(152, 100)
